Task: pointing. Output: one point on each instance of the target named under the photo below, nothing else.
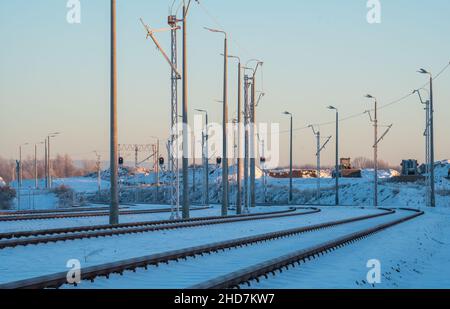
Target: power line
(401, 99)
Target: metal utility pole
(290, 157)
(253, 134)
(253, 145)
(49, 161)
(427, 147)
(98, 167)
(431, 137)
(337, 164)
(185, 117)
(246, 142)
(319, 150)
(240, 166)
(20, 178)
(46, 164)
(49, 164)
(225, 190)
(114, 149)
(193, 162)
(205, 159)
(262, 162)
(375, 149)
(173, 140)
(36, 184)
(375, 145)
(35, 167)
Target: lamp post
(225, 202)
(114, 147)
(375, 149)
(290, 156)
(337, 168)
(431, 133)
(205, 160)
(49, 161)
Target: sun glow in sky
(54, 76)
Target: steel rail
(81, 215)
(52, 211)
(44, 232)
(248, 274)
(145, 229)
(90, 273)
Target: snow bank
(368, 173)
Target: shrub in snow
(7, 195)
(65, 196)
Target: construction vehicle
(410, 172)
(410, 168)
(347, 170)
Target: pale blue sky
(55, 76)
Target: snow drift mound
(368, 173)
(441, 168)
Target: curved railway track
(33, 237)
(105, 270)
(84, 214)
(254, 273)
(20, 234)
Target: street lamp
(431, 132)
(375, 148)
(337, 169)
(225, 202)
(205, 159)
(114, 147)
(290, 158)
(49, 165)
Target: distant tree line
(63, 166)
(363, 163)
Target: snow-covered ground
(415, 254)
(180, 274)
(30, 261)
(412, 255)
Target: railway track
(52, 211)
(34, 233)
(26, 238)
(254, 273)
(84, 214)
(105, 270)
